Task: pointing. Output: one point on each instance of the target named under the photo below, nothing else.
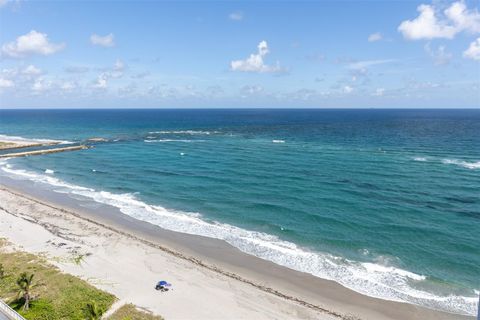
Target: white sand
(129, 268)
(128, 262)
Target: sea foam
(31, 140)
(373, 279)
(171, 140)
(461, 163)
(189, 132)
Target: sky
(240, 54)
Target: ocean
(385, 202)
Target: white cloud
(473, 51)
(463, 19)
(424, 85)
(250, 90)
(303, 94)
(377, 36)
(214, 91)
(255, 63)
(119, 65)
(236, 16)
(128, 90)
(31, 43)
(6, 83)
(41, 85)
(428, 25)
(439, 56)
(101, 82)
(379, 92)
(105, 41)
(22, 78)
(9, 73)
(115, 72)
(362, 65)
(76, 69)
(68, 86)
(140, 75)
(359, 70)
(347, 89)
(30, 80)
(31, 70)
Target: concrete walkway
(7, 313)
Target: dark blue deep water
(386, 202)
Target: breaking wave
(172, 140)
(8, 138)
(461, 163)
(189, 132)
(380, 279)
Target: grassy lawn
(56, 295)
(129, 312)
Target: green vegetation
(38, 290)
(78, 259)
(129, 312)
(49, 294)
(25, 283)
(94, 312)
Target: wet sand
(257, 289)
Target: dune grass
(129, 312)
(55, 295)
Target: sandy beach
(251, 160)
(211, 280)
(129, 269)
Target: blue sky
(322, 54)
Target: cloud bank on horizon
(161, 54)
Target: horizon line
(241, 108)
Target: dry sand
(128, 265)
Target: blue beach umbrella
(163, 283)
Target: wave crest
(379, 280)
(461, 163)
(189, 132)
(171, 140)
(4, 137)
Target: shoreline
(326, 297)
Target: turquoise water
(386, 202)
